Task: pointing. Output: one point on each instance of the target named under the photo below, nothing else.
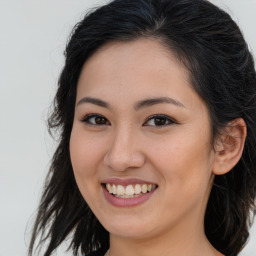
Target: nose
(124, 151)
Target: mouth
(129, 190)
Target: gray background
(33, 35)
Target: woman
(156, 107)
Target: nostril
(121, 161)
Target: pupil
(160, 121)
(100, 120)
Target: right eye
(95, 119)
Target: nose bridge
(123, 151)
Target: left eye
(159, 120)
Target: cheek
(184, 163)
(187, 176)
(85, 158)
(85, 155)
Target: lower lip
(126, 202)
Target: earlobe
(229, 146)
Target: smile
(129, 191)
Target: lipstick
(127, 192)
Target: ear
(229, 146)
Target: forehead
(131, 62)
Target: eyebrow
(139, 105)
(154, 101)
(94, 101)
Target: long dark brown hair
(222, 72)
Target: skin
(177, 156)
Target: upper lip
(126, 181)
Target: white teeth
(120, 190)
(144, 188)
(125, 196)
(114, 189)
(130, 190)
(109, 188)
(137, 189)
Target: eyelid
(86, 118)
(170, 119)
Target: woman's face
(142, 132)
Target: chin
(130, 229)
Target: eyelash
(167, 120)
(87, 118)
